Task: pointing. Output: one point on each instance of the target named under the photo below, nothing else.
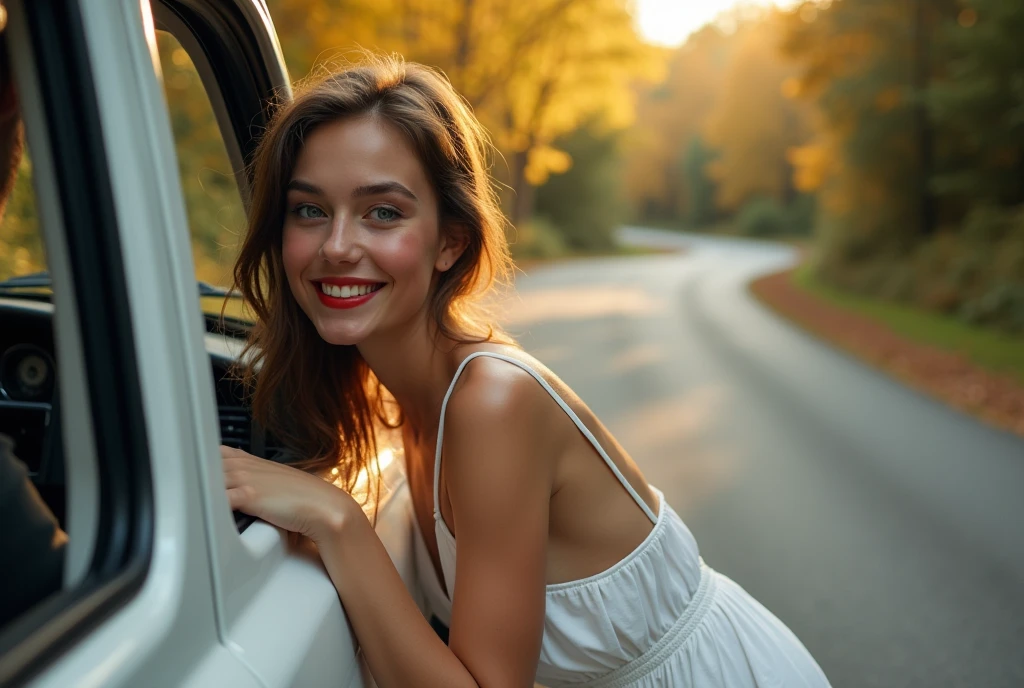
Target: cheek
(408, 258)
(294, 249)
(298, 250)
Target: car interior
(29, 408)
(242, 76)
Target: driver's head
(10, 122)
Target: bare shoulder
(501, 411)
(494, 382)
(492, 393)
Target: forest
(885, 136)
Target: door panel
(292, 630)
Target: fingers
(241, 498)
(236, 459)
(227, 452)
(235, 476)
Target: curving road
(886, 530)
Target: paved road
(886, 530)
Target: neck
(416, 367)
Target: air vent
(235, 427)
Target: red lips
(349, 288)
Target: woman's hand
(286, 497)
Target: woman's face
(361, 240)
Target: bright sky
(670, 22)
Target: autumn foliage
(892, 128)
(890, 131)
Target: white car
(115, 378)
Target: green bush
(802, 212)
(584, 204)
(763, 218)
(535, 239)
(975, 274)
(1000, 305)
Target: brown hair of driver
(321, 400)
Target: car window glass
(21, 245)
(216, 218)
(32, 490)
(216, 215)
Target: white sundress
(660, 617)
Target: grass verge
(976, 371)
(994, 351)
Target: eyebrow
(383, 188)
(299, 185)
(360, 191)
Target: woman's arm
(498, 469)
(399, 645)
(499, 489)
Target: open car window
(216, 215)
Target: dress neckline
(440, 525)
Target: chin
(340, 336)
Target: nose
(344, 243)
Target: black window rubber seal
(232, 50)
(124, 541)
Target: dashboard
(29, 398)
(28, 379)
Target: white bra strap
(565, 407)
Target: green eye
(384, 214)
(309, 212)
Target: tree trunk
(523, 193)
(922, 123)
(464, 46)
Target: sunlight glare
(384, 459)
(670, 22)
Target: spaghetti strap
(565, 407)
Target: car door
(204, 604)
(136, 603)
(274, 603)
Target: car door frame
(140, 611)
(274, 601)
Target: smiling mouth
(348, 291)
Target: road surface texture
(885, 529)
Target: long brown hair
(320, 400)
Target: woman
(374, 229)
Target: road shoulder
(951, 377)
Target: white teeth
(347, 291)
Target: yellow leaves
(533, 70)
(811, 165)
(791, 87)
(21, 248)
(808, 12)
(544, 161)
(672, 113)
(753, 123)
